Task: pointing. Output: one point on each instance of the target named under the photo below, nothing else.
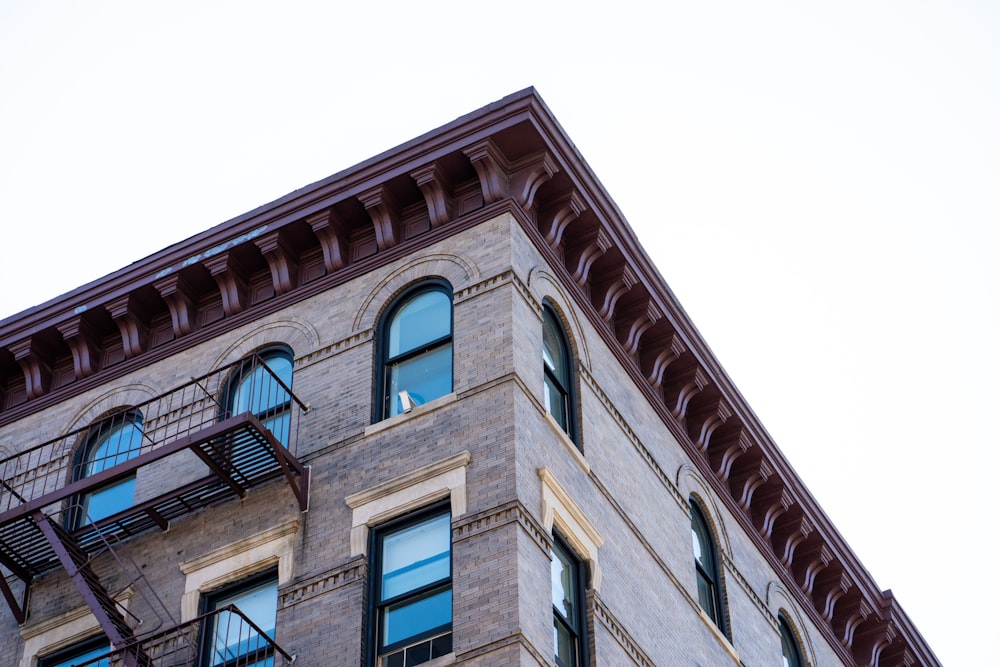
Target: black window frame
(789, 643)
(385, 363)
(97, 435)
(215, 599)
(713, 578)
(564, 386)
(376, 538)
(77, 650)
(576, 626)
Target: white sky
(820, 187)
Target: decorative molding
(377, 504)
(63, 630)
(559, 510)
(238, 560)
(352, 572)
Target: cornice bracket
(178, 295)
(80, 339)
(37, 373)
(384, 213)
(437, 190)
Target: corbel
(80, 338)
(585, 252)
(787, 541)
(384, 213)
(672, 350)
(492, 168)
(855, 620)
(528, 174)
(778, 505)
(611, 290)
(334, 237)
(871, 639)
(830, 588)
(749, 480)
(703, 422)
(281, 258)
(559, 213)
(733, 448)
(636, 322)
(37, 372)
(230, 276)
(437, 191)
(682, 389)
(178, 294)
(816, 561)
(127, 314)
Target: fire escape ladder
(77, 564)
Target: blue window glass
(84, 653)
(110, 443)
(259, 387)
(232, 641)
(413, 591)
(416, 351)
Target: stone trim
(719, 636)
(351, 572)
(406, 493)
(236, 561)
(418, 410)
(559, 510)
(58, 632)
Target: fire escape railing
(221, 638)
(204, 442)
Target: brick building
(438, 408)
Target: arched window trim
(98, 435)
(384, 362)
(564, 387)
(713, 579)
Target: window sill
(438, 662)
(567, 443)
(430, 406)
(721, 638)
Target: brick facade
(627, 473)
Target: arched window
(260, 385)
(415, 354)
(706, 567)
(790, 654)
(558, 372)
(112, 441)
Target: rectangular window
(568, 584)
(230, 640)
(412, 590)
(80, 654)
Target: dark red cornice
(509, 156)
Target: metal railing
(221, 638)
(246, 386)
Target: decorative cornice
(511, 156)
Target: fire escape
(203, 443)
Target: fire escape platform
(239, 454)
